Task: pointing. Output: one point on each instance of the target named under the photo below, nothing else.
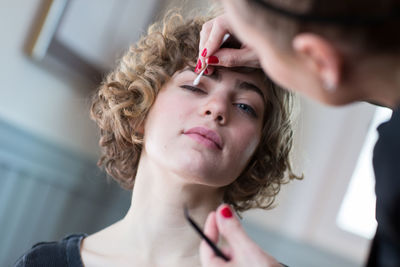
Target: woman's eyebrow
(249, 86)
(187, 68)
(239, 83)
(214, 76)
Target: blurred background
(54, 52)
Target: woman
(336, 52)
(226, 140)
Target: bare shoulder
(102, 248)
(95, 248)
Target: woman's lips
(207, 137)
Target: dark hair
(368, 24)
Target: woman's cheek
(253, 138)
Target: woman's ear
(321, 56)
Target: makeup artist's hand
(241, 250)
(211, 36)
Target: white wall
(31, 98)
(328, 142)
(52, 106)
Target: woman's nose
(216, 109)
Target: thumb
(230, 227)
(210, 227)
(244, 252)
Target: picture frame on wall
(86, 37)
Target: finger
(208, 257)
(231, 229)
(209, 70)
(210, 227)
(227, 251)
(204, 35)
(211, 231)
(231, 57)
(216, 36)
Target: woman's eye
(247, 109)
(193, 89)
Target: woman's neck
(155, 225)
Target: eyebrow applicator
(197, 80)
(214, 247)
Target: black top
(65, 253)
(385, 250)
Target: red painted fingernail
(226, 212)
(212, 60)
(206, 72)
(204, 53)
(198, 66)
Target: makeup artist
(336, 52)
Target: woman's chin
(196, 167)
(195, 170)
(202, 174)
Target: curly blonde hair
(124, 98)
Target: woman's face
(206, 133)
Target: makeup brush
(197, 80)
(216, 250)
